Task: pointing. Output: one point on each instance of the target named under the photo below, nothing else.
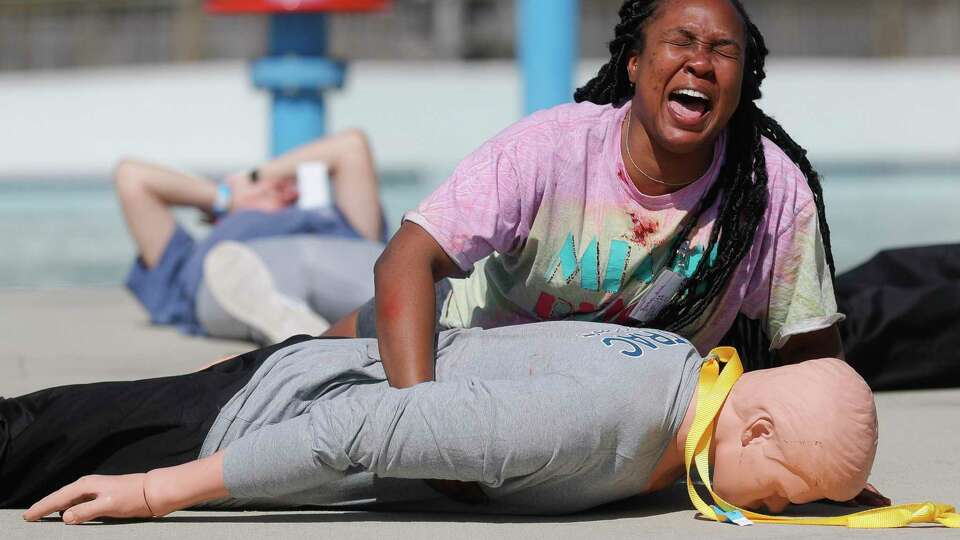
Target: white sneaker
(241, 283)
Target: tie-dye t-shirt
(546, 223)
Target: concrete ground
(50, 338)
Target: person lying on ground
(168, 274)
(546, 418)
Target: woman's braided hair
(742, 184)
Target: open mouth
(689, 105)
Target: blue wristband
(221, 204)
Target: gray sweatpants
(331, 275)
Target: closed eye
(681, 37)
(729, 50)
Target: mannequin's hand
(267, 195)
(871, 497)
(95, 496)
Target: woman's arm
(486, 206)
(404, 278)
(824, 343)
(153, 494)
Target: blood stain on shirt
(641, 229)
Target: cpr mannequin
(541, 432)
(795, 434)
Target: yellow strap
(713, 389)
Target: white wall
(428, 115)
(867, 110)
(80, 122)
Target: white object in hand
(313, 183)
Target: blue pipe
(548, 48)
(296, 73)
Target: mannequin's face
(795, 434)
(753, 472)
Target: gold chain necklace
(626, 142)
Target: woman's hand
(870, 496)
(94, 497)
(824, 343)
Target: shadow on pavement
(668, 501)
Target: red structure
(295, 6)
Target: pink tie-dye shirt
(547, 224)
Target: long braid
(772, 130)
(611, 85)
(741, 188)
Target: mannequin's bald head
(795, 434)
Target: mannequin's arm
(467, 430)
(153, 494)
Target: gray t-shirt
(548, 418)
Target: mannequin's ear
(758, 430)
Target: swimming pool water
(64, 234)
